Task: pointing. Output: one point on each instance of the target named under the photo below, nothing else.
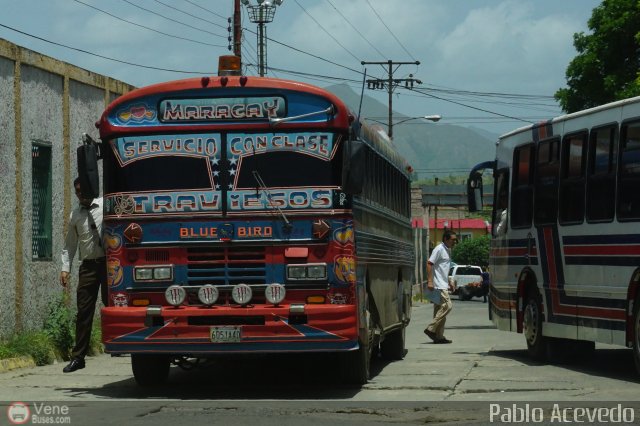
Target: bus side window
(572, 184)
(546, 182)
(629, 173)
(522, 187)
(601, 181)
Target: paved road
(482, 365)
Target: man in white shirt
(438, 267)
(84, 234)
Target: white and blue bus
(566, 264)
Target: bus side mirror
(88, 154)
(474, 192)
(353, 167)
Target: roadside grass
(56, 338)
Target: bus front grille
(226, 265)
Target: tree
(472, 251)
(606, 67)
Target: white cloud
(509, 44)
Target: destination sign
(133, 148)
(315, 144)
(222, 109)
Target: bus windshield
(299, 171)
(158, 174)
(288, 170)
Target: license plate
(226, 334)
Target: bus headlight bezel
(307, 272)
(153, 273)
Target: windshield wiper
(275, 121)
(263, 187)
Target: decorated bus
(565, 252)
(249, 215)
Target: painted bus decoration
(246, 215)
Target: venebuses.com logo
(18, 413)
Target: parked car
(468, 281)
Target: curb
(15, 363)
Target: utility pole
(237, 30)
(391, 83)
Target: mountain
(431, 148)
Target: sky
(490, 64)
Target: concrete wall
(7, 197)
(41, 99)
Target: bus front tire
(532, 326)
(356, 365)
(636, 335)
(150, 369)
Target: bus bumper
(188, 330)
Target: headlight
(274, 293)
(153, 273)
(143, 274)
(175, 295)
(208, 294)
(241, 294)
(296, 272)
(315, 272)
(163, 273)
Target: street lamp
(262, 14)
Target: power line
(469, 106)
(174, 20)
(495, 94)
(190, 14)
(390, 32)
(303, 52)
(102, 56)
(147, 28)
(327, 32)
(355, 29)
(305, 74)
(206, 10)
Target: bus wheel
(355, 365)
(392, 347)
(532, 326)
(150, 370)
(636, 335)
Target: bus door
(521, 236)
(558, 307)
